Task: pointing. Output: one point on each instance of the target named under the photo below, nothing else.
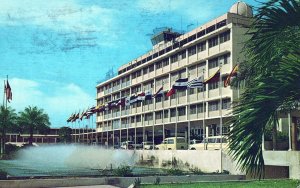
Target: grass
(250, 184)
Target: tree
(33, 119)
(65, 134)
(271, 74)
(8, 119)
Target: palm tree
(8, 119)
(65, 134)
(33, 119)
(271, 74)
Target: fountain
(66, 160)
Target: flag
(141, 97)
(196, 83)
(82, 115)
(127, 101)
(159, 92)
(133, 99)
(8, 92)
(232, 74)
(171, 92)
(75, 117)
(180, 84)
(148, 95)
(70, 118)
(113, 104)
(121, 102)
(213, 78)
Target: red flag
(8, 91)
(214, 78)
(171, 92)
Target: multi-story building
(192, 113)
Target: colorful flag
(148, 95)
(213, 78)
(180, 84)
(133, 99)
(196, 83)
(159, 92)
(121, 102)
(170, 92)
(141, 97)
(8, 92)
(232, 74)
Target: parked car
(172, 143)
(210, 143)
(147, 145)
(130, 145)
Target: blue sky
(55, 51)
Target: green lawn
(260, 184)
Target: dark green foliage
(196, 171)
(123, 171)
(271, 74)
(33, 119)
(175, 171)
(65, 134)
(137, 182)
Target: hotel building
(192, 113)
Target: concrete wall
(207, 161)
(284, 158)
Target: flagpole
(188, 113)
(6, 94)
(203, 109)
(221, 120)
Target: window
(193, 109)
(213, 85)
(182, 54)
(132, 119)
(192, 91)
(166, 113)
(181, 93)
(181, 111)
(133, 75)
(158, 115)
(201, 46)
(165, 62)
(158, 65)
(173, 112)
(173, 96)
(192, 50)
(191, 38)
(211, 29)
(174, 58)
(200, 108)
(213, 106)
(138, 73)
(224, 59)
(158, 99)
(145, 70)
(149, 117)
(148, 101)
(213, 42)
(138, 118)
(213, 63)
(221, 24)
(226, 103)
(225, 36)
(151, 68)
(200, 33)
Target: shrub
(137, 182)
(157, 181)
(175, 171)
(196, 171)
(123, 171)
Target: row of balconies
(203, 55)
(170, 103)
(156, 122)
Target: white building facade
(192, 113)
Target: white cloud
(59, 103)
